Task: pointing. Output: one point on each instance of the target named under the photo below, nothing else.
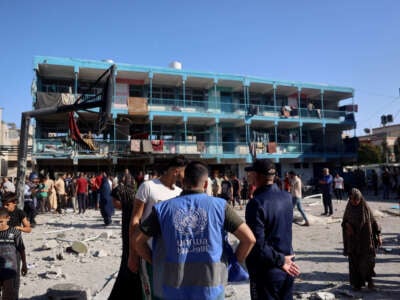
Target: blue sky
(347, 43)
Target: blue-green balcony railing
(224, 107)
(64, 147)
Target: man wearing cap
(269, 215)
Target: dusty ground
(318, 251)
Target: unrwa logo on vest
(192, 221)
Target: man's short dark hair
(4, 212)
(177, 162)
(195, 171)
(9, 197)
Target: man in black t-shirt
(127, 282)
(226, 189)
(236, 190)
(12, 252)
(18, 218)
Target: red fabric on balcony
(158, 145)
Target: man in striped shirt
(11, 244)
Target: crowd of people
(174, 227)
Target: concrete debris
(79, 247)
(106, 234)
(59, 230)
(53, 274)
(61, 235)
(49, 258)
(334, 220)
(377, 213)
(230, 291)
(83, 260)
(302, 296)
(60, 254)
(49, 244)
(100, 253)
(68, 291)
(346, 293)
(323, 296)
(31, 266)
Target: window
(135, 91)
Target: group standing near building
(174, 227)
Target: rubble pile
(64, 251)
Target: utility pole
(105, 109)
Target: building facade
(385, 137)
(9, 141)
(225, 120)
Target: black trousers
(30, 211)
(61, 202)
(272, 285)
(8, 289)
(327, 200)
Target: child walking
(11, 244)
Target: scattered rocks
(100, 253)
(48, 258)
(302, 296)
(323, 296)
(49, 244)
(230, 291)
(106, 234)
(53, 274)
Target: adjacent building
(224, 119)
(9, 141)
(386, 137)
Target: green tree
(369, 154)
(385, 152)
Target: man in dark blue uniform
(269, 215)
(326, 183)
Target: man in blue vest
(269, 215)
(188, 233)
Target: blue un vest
(190, 267)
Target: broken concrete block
(79, 247)
(67, 291)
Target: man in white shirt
(8, 186)
(338, 186)
(295, 189)
(149, 193)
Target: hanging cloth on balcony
(157, 145)
(76, 135)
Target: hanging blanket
(157, 145)
(135, 145)
(147, 147)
